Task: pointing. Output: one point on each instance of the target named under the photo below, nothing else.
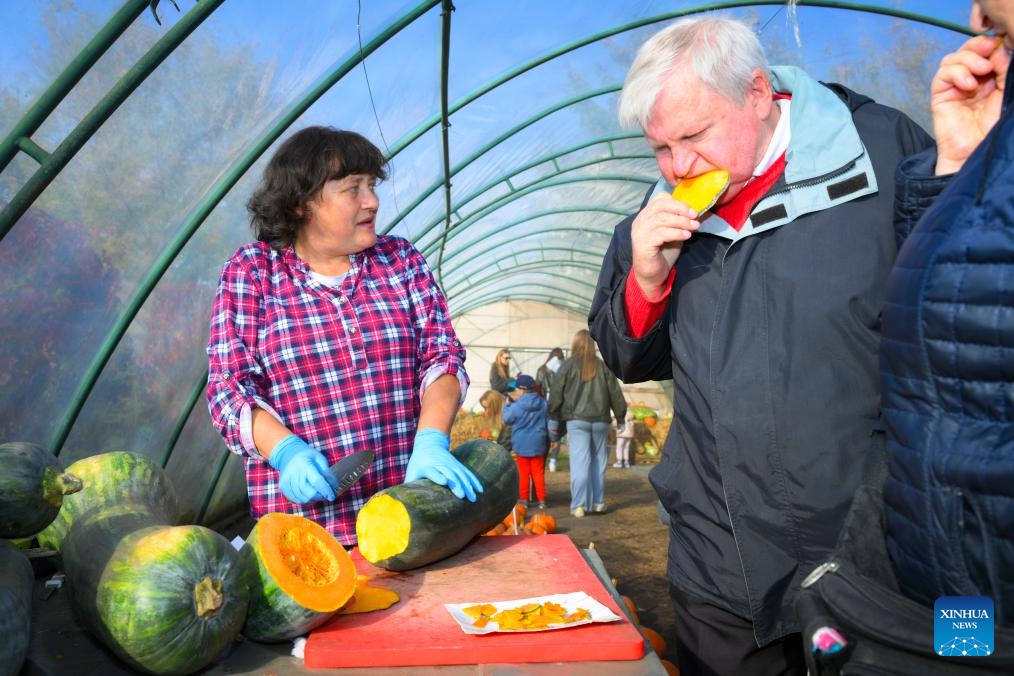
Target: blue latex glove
(302, 470)
(431, 459)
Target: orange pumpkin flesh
(306, 562)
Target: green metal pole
(65, 82)
(80, 135)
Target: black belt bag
(855, 593)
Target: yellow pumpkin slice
(702, 191)
(367, 599)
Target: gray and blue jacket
(771, 339)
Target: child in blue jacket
(528, 415)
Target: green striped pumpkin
(165, 599)
(114, 478)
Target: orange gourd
(517, 515)
(655, 639)
(670, 668)
(631, 608)
(544, 520)
(650, 421)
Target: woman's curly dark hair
(298, 171)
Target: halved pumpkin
(299, 576)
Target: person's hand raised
(965, 99)
(657, 237)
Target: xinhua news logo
(963, 626)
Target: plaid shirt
(343, 368)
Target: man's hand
(657, 236)
(965, 98)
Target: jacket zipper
(819, 572)
(810, 182)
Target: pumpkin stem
(55, 486)
(208, 597)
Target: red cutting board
(418, 630)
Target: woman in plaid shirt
(327, 338)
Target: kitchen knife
(346, 471)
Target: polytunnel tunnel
(134, 131)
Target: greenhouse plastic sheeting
(133, 133)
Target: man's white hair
(723, 53)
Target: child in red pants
(528, 415)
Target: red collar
(738, 210)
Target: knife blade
(347, 471)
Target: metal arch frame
(201, 212)
(501, 201)
(729, 4)
(552, 158)
(513, 189)
(566, 303)
(216, 192)
(466, 248)
(505, 136)
(552, 263)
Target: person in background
(765, 312)
(327, 338)
(947, 360)
(583, 394)
(492, 416)
(527, 414)
(500, 373)
(544, 379)
(624, 439)
(545, 373)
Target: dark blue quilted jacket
(948, 376)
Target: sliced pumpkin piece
(368, 599)
(299, 576)
(702, 191)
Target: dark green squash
(32, 486)
(420, 522)
(114, 478)
(165, 599)
(16, 583)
